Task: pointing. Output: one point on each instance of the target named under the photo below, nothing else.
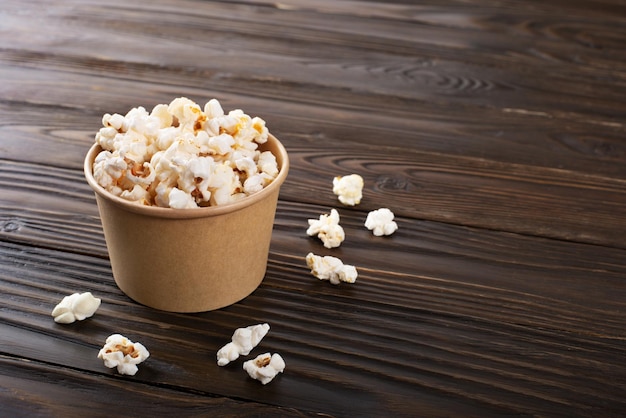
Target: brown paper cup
(189, 260)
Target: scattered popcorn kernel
(331, 268)
(242, 342)
(120, 352)
(75, 307)
(228, 353)
(349, 189)
(183, 156)
(265, 367)
(381, 222)
(327, 229)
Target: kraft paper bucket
(189, 260)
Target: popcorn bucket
(189, 260)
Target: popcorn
(182, 156)
(242, 342)
(349, 189)
(75, 307)
(331, 268)
(327, 229)
(122, 353)
(381, 222)
(265, 367)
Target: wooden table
(494, 130)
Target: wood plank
(33, 389)
(493, 128)
(416, 248)
(70, 222)
(508, 135)
(475, 134)
(460, 190)
(314, 382)
(501, 331)
(427, 81)
(430, 73)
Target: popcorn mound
(181, 156)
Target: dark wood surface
(494, 129)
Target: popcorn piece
(331, 268)
(183, 156)
(265, 367)
(242, 342)
(267, 165)
(381, 222)
(177, 199)
(213, 109)
(122, 353)
(75, 307)
(349, 189)
(138, 195)
(187, 113)
(327, 229)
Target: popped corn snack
(349, 189)
(75, 307)
(181, 156)
(331, 268)
(265, 367)
(381, 222)
(242, 342)
(327, 229)
(120, 352)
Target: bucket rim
(272, 144)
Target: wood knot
(392, 182)
(10, 226)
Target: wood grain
(26, 383)
(411, 349)
(465, 172)
(522, 321)
(494, 129)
